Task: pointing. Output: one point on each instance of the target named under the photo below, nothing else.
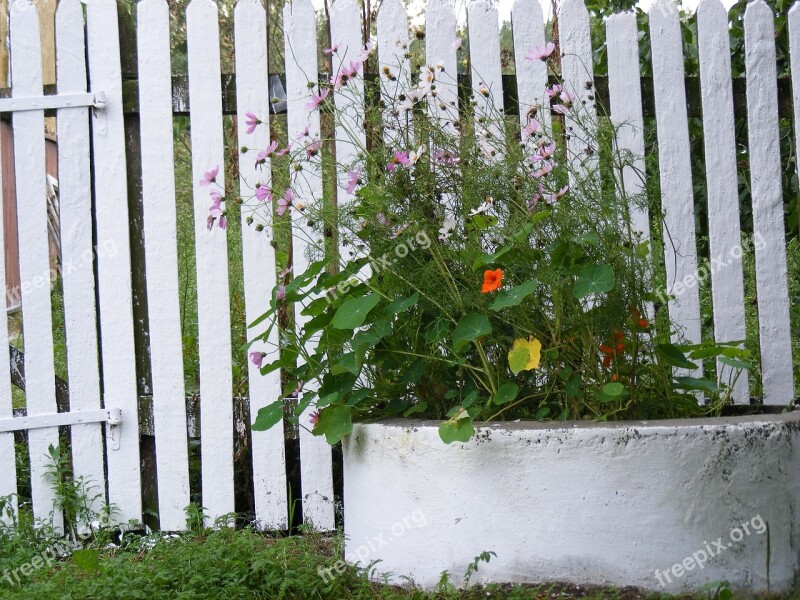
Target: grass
(243, 563)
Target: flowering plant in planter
(485, 271)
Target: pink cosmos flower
(216, 207)
(303, 132)
(263, 155)
(223, 222)
(364, 54)
(560, 109)
(210, 176)
(298, 388)
(446, 158)
(553, 90)
(540, 52)
(457, 44)
(284, 151)
(252, 122)
(332, 50)
(285, 202)
(353, 179)
(317, 99)
(531, 127)
(391, 167)
(263, 193)
(552, 198)
(280, 293)
(257, 358)
(313, 147)
(314, 417)
(544, 170)
(535, 198)
(345, 74)
(544, 152)
(402, 158)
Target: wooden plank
(680, 253)
(351, 139)
(794, 57)
(719, 137)
(269, 461)
(765, 184)
(211, 254)
(394, 68)
(114, 267)
(299, 23)
(77, 271)
(37, 324)
(161, 258)
(8, 476)
(487, 79)
(440, 38)
(625, 99)
(578, 75)
(527, 28)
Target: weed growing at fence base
(247, 564)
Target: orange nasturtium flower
(492, 280)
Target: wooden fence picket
(578, 79)
(258, 255)
(767, 193)
(299, 23)
(75, 210)
(625, 94)
(794, 55)
(114, 262)
(394, 68)
(34, 258)
(8, 477)
(672, 124)
(527, 28)
(724, 235)
(161, 255)
(487, 78)
(440, 47)
(211, 255)
(350, 110)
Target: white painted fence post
(269, 462)
(299, 23)
(34, 257)
(8, 477)
(487, 78)
(75, 210)
(393, 46)
(672, 124)
(114, 262)
(578, 78)
(769, 232)
(527, 27)
(724, 235)
(211, 255)
(440, 37)
(625, 93)
(161, 256)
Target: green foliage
(480, 277)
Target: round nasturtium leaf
(593, 279)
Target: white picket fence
(101, 365)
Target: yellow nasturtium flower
(525, 355)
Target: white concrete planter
(678, 503)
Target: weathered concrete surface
(585, 502)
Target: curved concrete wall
(666, 505)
